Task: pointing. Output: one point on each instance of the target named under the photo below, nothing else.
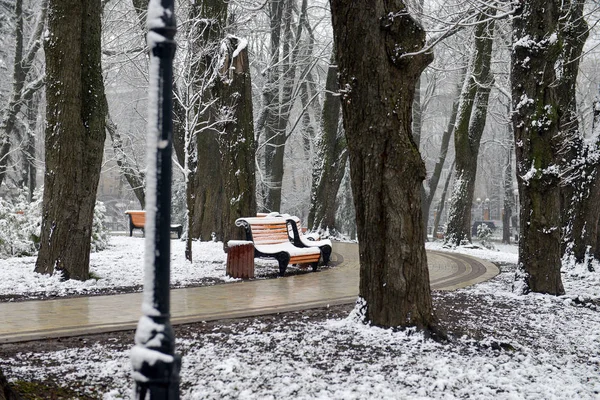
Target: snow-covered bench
(137, 220)
(299, 238)
(271, 240)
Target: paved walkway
(33, 320)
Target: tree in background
(387, 170)
(331, 160)
(214, 130)
(25, 86)
(236, 140)
(580, 162)
(536, 51)
(470, 123)
(75, 133)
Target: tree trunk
(536, 127)
(584, 225)
(440, 208)
(237, 141)
(131, 172)
(432, 183)
(331, 159)
(467, 135)
(279, 98)
(23, 62)
(578, 202)
(6, 391)
(268, 122)
(386, 167)
(509, 202)
(76, 111)
(205, 188)
(29, 169)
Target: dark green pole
(155, 364)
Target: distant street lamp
(155, 364)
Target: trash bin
(240, 259)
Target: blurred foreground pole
(155, 364)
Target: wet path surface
(33, 320)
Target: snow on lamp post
(155, 364)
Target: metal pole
(155, 364)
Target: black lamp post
(155, 364)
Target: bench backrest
(138, 218)
(266, 230)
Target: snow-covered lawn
(503, 346)
(119, 267)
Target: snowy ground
(120, 268)
(503, 346)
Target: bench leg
(326, 252)
(284, 260)
(314, 266)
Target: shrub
(484, 234)
(21, 220)
(20, 225)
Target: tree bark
(536, 127)
(386, 167)
(579, 191)
(76, 111)
(237, 141)
(331, 159)
(467, 135)
(205, 193)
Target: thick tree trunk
(584, 225)
(536, 127)
(237, 142)
(76, 111)
(332, 157)
(578, 192)
(205, 193)
(467, 135)
(386, 167)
